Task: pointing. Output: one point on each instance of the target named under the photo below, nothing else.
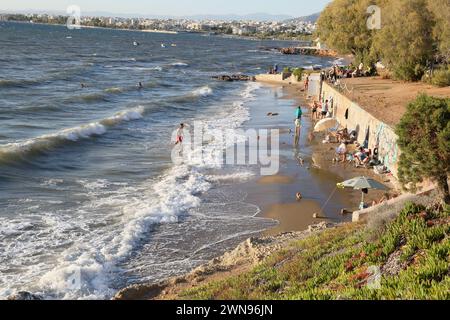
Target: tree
(441, 31)
(405, 42)
(424, 139)
(343, 26)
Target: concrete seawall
(371, 131)
(283, 79)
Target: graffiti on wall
(387, 145)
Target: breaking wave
(50, 141)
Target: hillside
(311, 18)
(411, 253)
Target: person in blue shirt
(298, 113)
(298, 125)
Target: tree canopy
(424, 139)
(414, 34)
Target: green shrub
(441, 77)
(298, 72)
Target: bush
(298, 72)
(441, 77)
(287, 70)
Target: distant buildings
(291, 28)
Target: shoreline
(252, 251)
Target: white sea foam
(203, 91)
(48, 141)
(237, 176)
(91, 254)
(179, 64)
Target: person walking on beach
(307, 83)
(314, 110)
(298, 113)
(298, 125)
(324, 109)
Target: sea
(90, 199)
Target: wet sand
(293, 216)
(315, 176)
(277, 179)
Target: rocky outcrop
(308, 51)
(234, 77)
(24, 295)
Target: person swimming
(140, 86)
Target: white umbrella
(361, 183)
(325, 124)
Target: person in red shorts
(180, 134)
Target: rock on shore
(234, 77)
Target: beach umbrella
(325, 124)
(363, 184)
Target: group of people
(361, 156)
(341, 72)
(274, 69)
(322, 110)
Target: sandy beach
(276, 196)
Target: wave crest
(12, 151)
(203, 91)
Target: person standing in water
(298, 125)
(180, 134)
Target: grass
(339, 264)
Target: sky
(174, 7)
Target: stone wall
(277, 79)
(351, 115)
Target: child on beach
(180, 134)
(314, 110)
(307, 83)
